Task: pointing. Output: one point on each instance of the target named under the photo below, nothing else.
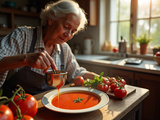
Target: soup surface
(76, 100)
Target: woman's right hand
(40, 60)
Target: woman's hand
(40, 60)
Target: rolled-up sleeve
(3, 77)
(72, 66)
(10, 45)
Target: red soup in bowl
(75, 100)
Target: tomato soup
(76, 100)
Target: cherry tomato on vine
(78, 81)
(105, 81)
(112, 80)
(122, 81)
(25, 117)
(120, 92)
(5, 113)
(102, 87)
(113, 86)
(27, 103)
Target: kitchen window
(126, 17)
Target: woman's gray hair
(61, 9)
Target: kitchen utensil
(134, 61)
(54, 71)
(56, 79)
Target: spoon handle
(53, 70)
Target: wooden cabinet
(10, 15)
(91, 7)
(151, 105)
(127, 75)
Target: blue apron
(31, 81)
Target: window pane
(114, 10)
(155, 32)
(125, 30)
(125, 9)
(113, 34)
(143, 8)
(142, 27)
(155, 8)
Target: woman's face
(63, 29)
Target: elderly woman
(28, 52)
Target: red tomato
(78, 81)
(158, 53)
(112, 80)
(115, 49)
(5, 113)
(106, 81)
(25, 117)
(102, 87)
(122, 81)
(120, 92)
(28, 106)
(113, 86)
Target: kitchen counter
(145, 75)
(147, 66)
(116, 109)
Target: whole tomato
(115, 50)
(78, 81)
(158, 53)
(120, 92)
(25, 117)
(102, 87)
(5, 113)
(113, 86)
(27, 103)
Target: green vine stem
(4, 99)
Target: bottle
(122, 45)
(109, 46)
(104, 46)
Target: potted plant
(156, 49)
(143, 41)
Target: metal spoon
(54, 70)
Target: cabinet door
(151, 105)
(91, 7)
(95, 68)
(127, 75)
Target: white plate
(47, 98)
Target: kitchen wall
(91, 31)
(78, 39)
(19, 3)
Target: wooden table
(129, 107)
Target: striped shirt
(19, 42)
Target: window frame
(105, 20)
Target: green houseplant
(143, 41)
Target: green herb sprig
(93, 83)
(78, 100)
